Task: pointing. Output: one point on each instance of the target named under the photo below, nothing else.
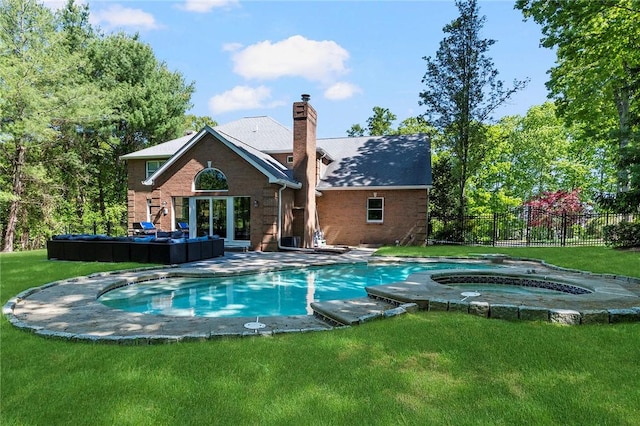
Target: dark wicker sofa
(164, 250)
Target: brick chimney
(304, 169)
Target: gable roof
(274, 171)
(162, 150)
(398, 161)
(263, 133)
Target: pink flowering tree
(553, 209)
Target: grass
(423, 368)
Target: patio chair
(145, 228)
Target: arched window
(211, 180)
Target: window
(152, 166)
(289, 159)
(211, 180)
(375, 210)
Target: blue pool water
(289, 292)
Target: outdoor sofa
(146, 249)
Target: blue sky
(253, 58)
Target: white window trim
(369, 209)
(146, 170)
(193, 183)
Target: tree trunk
(16, 202)
(621, 98)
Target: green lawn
(424, 368)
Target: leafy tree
(72, 101)
(549, 206)
(494, 187)
(197, 123)
(442, 197)
(148, 102)
(533, 154)
(596, 81)
(413, 125)
(462, 92)
(355, 131)
(39, 87)
(379, 124)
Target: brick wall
(243, 179)
(343, 217)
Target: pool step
(357, 311)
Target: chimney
(304, 169)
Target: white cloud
(204, 6)
(293, 57)
(118, 16)
(341, 90)
(241, 98)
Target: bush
(623, 234)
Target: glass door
(226, 217)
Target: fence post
(528, 232)
(494, 235)
(563, 240)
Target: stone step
(357, 311)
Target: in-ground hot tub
(528, 290)
(507, 284)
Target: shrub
(623, 234)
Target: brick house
(261, 186)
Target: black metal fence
(112, 229)
(524, 227)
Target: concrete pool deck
(69, 309)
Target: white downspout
(280, 247)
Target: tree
(197, 123)
(462, 92)
(533, 154)
(556, 207)
(413, 125)
(596, 81)
(147, 106)
(72, 101)
(442, 196)
(379, 124)
(39, 85)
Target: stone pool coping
(608, 299)
(68, 309)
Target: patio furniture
(144, 228)
(143, 249)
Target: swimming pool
(287, 292)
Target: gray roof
(358, 162)
(276, 172)
(162, 150)
(269, 166)
(377, 161)
(263, 133)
